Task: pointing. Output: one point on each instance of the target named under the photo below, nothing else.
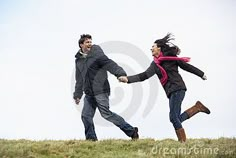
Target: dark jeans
(175, 101)
(101, 101)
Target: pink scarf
(161, 58)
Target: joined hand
(123, 79)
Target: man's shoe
(92, 139)
(135, 134)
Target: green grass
(143, 148)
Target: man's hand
(123, 79)
(77, 100)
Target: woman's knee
(176, 122)
(173, 118)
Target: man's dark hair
(167, 47)
(83, 37)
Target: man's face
(86, 46)
(155, 50)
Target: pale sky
(39, 40)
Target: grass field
(143, 148)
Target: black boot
(135, 134)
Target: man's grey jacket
(91, 72)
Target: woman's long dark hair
(168, 48)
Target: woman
(165, 66)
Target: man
(91, 78)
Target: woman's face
(155, 50)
